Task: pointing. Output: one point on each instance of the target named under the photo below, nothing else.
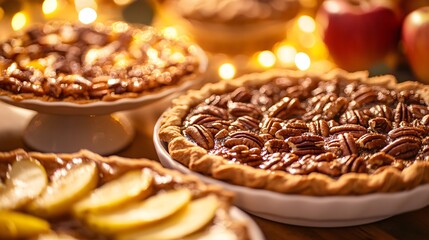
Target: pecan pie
(292, 132)
(61, 61)
(86, 196)
(232, 27)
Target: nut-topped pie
(292, 132)
(86, 196)
(61, 61)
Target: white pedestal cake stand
(65, 127)
(99, 126)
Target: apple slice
(187, 221)
(153, 209)
(62, 193)
(26, 180)
(130, 187)
(18, 225)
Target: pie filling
(59, 61)
(71, 224)
(313, 125)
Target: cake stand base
(103, 134)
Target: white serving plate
(313, 211)
(254, 231)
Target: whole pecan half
(406, 131)
(241, 94)
(378, 160)
(304, 166)
(363, 95)
(380, 125)
(279, 161)
(354, 117)
(238, 109)
(200, 135)
(201, 119)
(245, 123)
(271, 125)
(418, 111)
(306, 144)
(212, 110)
(372, 141)
(249, 139)
(403, 148)
(276, 145)
(291, 128)
(219, 101)
(356, 130)
(319, 127)
(347, 144)
(316, 105)
(381, 111)
(335, 108)
(402, 114)
(352, 163)
(285, 108)
(245, 155)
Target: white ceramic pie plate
(68, 127)
(331, 211)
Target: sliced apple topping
(26, 180)
(132, 186)
(18, 225)
(62, 193)
(190, 219)
(153, 209)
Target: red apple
(415, 39)
(359, 33)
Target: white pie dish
(314, 211)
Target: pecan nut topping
(403, 148)
(244, 138)
(62, 61)
(305, 125)
(285, 108)
(319, 127)
(355, 117)
(303, 145)
(356, 130)
(372, 141)
(200, 135)
(347, 144)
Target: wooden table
(408, 226)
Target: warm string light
(266, 59)
(19, 20)
(87, 11)
(302, 61)
(87, 15)
(227, 71)
(49, 6)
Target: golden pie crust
(110, 168)
(197, 158)
(73, 62)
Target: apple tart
(64, 61)
(86, 196)
(292, 132)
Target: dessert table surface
(411, 225)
